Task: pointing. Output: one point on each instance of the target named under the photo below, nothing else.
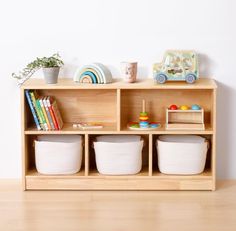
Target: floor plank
(117, 210)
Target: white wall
(112, 31)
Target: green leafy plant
(44, 62)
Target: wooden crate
(185, 119)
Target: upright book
(41, 114)
(33, 110)
(55, 111)
(44, 113)
(48, 113)
(33, 96)
(52, 114)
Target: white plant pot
(51, 74)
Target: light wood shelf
(68, 129)
(207, 174)
(115, 105)
(141, 181)
(32, 173)
(95, 174)
(111, 129)
(203, 83)
(162, 131)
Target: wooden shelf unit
(115, 105)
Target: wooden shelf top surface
(207, 174)
(68, 83)
(111, 129)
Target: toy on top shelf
(95, 73)
(184, 118)
(129, 71)
(143, 123)
(177, 66)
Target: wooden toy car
(177, 66)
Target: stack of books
(45, 111)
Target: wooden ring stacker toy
(143, 123)
(143, 120)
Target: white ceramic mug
(129, 71)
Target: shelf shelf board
(95, 174)
(34, 174)
(207, 174)
(162, 130)
(68, 83)
(68, 129)
(78, 181)
(112, 129)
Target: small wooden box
(185, 119)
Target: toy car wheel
(190, 78)
(161, 78)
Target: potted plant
(50, 65)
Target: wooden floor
(117, 210)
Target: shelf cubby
(207, 173)
(115, 105)
(30, 166)
(145, 159)
(81, 106)
(157, 100)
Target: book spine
(41, 114)
(52, 113)
(44, 113)
(48, 113)
(32, 109)
(32, 94)
(57, 114)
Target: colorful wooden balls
(184, 107)
(195, 107)
(173, 107)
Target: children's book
(52, 113)
(44, 112)
(33, 97)
(34, 113)
(42, 115)
(57, 113)
(48, 113)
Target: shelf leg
(23, 139)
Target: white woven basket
(118, 154)
(58, 154)
(181, 154)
